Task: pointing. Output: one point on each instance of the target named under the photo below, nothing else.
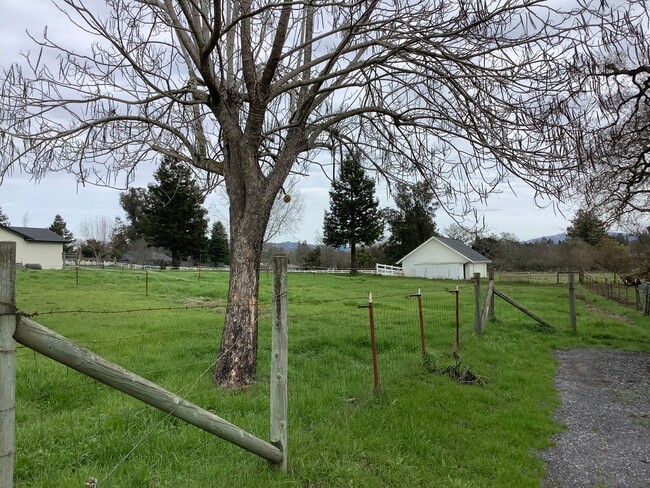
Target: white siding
(48, 254)
(439, 271)
(476, 268)
(433, 253)
(436, 260)
(21, 248)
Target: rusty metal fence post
(373, 342)
(423, 345)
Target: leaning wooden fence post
(572, 302)
(489, 298)
(7, 361)
(477, 303)
(280, 360)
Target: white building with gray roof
(35, 246)
(444, 258)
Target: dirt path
(606, 410)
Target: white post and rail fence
(15, 328)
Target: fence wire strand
(336, 334)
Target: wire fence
(68, 421)
(65, 419)
(341, 336)
(636, 295)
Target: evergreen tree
(354, 216)
(133, 202)
(313, 258)
(587, 227)
(219, 246)
(60, 227)
(173, 217)
(487, 245)
(412, 222)
(119, 238)
(4, 219)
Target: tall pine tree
(60, 227)
(219, 246)
(133, 201)
(354, 216)
(173, 215)
(412, 222)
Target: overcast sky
(35, 204)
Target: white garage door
(439, 271)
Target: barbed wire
(108, 312)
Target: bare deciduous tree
(97, 233)
(456, 93)
(287, 211)
(609, 107)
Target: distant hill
(287, 246)
(554, 239)
(557, 238)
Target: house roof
(36, 234)
(465, 251)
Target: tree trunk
(237, 361)
(251, 195)
(249, 215)
(353, 257)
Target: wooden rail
(55, 346)
(523, 309)
(14, 328)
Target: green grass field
(422, 430)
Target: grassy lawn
(423, 429)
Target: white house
(444, 258)
(35, 246)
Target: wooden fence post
(491, 304)
(280, 360)
(7, 361)
(572, 302)
(489, 298)
(477, 303)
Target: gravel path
(606, 410)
